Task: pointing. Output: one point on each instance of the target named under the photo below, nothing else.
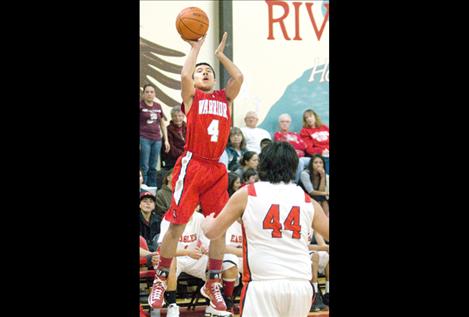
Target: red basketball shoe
(211, 290)
(156, 297)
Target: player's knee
(315, 258)
(326, 257)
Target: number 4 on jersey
(292, 222)
(213, 130)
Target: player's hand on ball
(221, 47)
(198, 43)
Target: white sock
(327, 286)
(315, 285)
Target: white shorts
(198, 267)
(323, 260)
(276, 298)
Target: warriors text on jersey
(208, 125)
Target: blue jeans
(149, 153)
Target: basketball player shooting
(276, 216)
(198, 177)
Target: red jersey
(316, 139)
(294, 139)
(208, 125)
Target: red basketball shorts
(197, 181)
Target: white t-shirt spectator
(253, 137)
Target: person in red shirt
(316, 136)
(284, 135)
(198, 176)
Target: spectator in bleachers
(265, 142)
(163, 195)
(176, 137)
(252, 134)
(316, 136)
(250, 159)
(235, 148)
(319, 251)
(284, 135)
(152, 125)
(149, 220)
(250, 176)
(315, 182)
(192, 258)
(234, 183)
(151, 258)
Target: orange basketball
(192, 23)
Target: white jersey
(192, 235)
(234, 235)
(276, 224)
(310, 235)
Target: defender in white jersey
(277, 216)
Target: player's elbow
(239, 77)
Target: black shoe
(325, 298)
(318, 303)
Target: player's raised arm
(320, 221)
(213, 228)
(187, 80)
(234, 83)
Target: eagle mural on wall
(150, 66)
